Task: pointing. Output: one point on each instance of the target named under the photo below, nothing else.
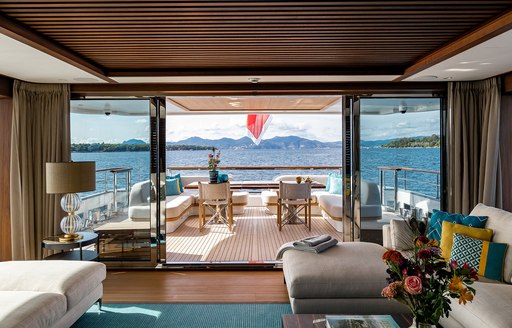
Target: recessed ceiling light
(254, 79)
(427, 77)
(468, 62)
(449, 78)
(485, 63)
(461, 69)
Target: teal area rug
(184, 315)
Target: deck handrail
(403, 169)
(115, 171)
(272, 167)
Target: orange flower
(465, 296)
(456, 285)
(432, 242)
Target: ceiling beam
(38, 41)
(492, 28)
(252, 89)
(264, 71)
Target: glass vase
(416, 324)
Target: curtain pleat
(40, 134)
(473, 140)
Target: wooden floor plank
(168, 286)
(255, 238)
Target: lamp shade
(70, 177)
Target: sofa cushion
(139, 212)
(74, 279)
(450, 228)
(177, 205)
(501, 222)
(484, 256)
(336, 273)
(490, 307)
(28, 309)
(402, 236)
(331, 204)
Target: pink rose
(412, 285)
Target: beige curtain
(40, 134)
(474, 173)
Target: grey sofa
(347, 278)
(492, 304)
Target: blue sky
(115, 128)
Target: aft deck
(255, 238)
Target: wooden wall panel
(5, 151)
(506, 150)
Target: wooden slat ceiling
(251, 104)
(137, 37)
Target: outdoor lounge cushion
(331, 203)
(29, 309)
(338, 272)
(177, 205)
(73, 279)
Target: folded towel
(313, 241)
(301, 247)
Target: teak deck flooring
(167, 286)
(255, 238)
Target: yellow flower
(432, 242)
(465, 296)
(456, 284)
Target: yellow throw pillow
(450, 228)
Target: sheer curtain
(40, 134)
(473, 145)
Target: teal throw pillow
(176, 176)
(486, 257)
(172, 187)
(330, 178)
(336, 186)
(222, 177)
(435, 223)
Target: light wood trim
(5, 155)
(33, 39)
(479, 35)
(169, 286)
(335, 218)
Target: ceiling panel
(379, 37)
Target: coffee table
(318, 320)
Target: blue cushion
(486, 257)
(435, 223)
(336, 186)
(222, 177)
(329, 178)
(172, 187)
(176, 176)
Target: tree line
(107, 147)
(424, 142)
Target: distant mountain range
(289, 142)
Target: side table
(68, 248)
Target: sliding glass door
(117, 135)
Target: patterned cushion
(450, 228)
(435, 224)
(485, 257)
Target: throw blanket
(315, 244)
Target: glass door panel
(115, 134)
(400, 160)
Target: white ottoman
(240, 200)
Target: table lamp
(70, 178)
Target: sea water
(371, 159)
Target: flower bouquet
(213, 162)
(426, 282)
